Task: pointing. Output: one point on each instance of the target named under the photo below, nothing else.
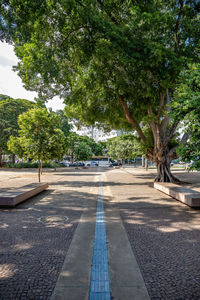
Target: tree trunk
(143, 161)
(162, 130)
(13, 158)
(162, 161)
(39, 170)
(146, 164)
(0, 159)
(164, 174)
(162, 157)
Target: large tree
(116, 62)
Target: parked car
(74, 164)
(114, 164)
(93, 164)
(81, 164)
(65, 163)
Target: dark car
(73, 164)
(80, 164)
(114, 164)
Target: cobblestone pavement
(164, 233)
(35, 236)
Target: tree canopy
(73, 140)
(116, 62)
(123, 147)
(10, 109)
(82, 152)
(187, 102)
(40, 137)
(96, 148)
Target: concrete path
(47, 242)
(125, 278)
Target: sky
(10, 82)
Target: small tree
(65, 127)
(82, 152)
(123, 147)
(72, 141)
(96, 148)
(40, 137)
(57, 145)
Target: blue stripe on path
(99, 283)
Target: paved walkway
(46, 243)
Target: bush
(31, 165)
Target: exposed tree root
(165, 175)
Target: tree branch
(166, 119)
(185, 137)
(162, 100)
(177, 26)
(131, 120)
(171, 132)
(172, 153)
(152, 124)
(162, 105)
(164, 124)
(109, 14)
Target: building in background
(98, 134)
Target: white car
(92, 164)
(65, 163)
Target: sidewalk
(153, 249)
(36, 235)
(164, 234)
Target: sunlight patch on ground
(4, 225)
(7, 270)
(167, 229)
(24, 246)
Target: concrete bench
(183, 194)
(18, 195)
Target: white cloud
(6, 50)
(10, 82)
(56, 103)
(4, 62)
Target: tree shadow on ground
(92, 184)
(76, 174)
(166, 240)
